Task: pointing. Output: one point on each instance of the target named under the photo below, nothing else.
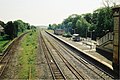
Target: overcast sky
(44, 12)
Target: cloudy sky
(44, 12)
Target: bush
(67, 35)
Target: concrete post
(116, 41)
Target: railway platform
(89, 48)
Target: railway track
(7, 55)
(96, 63)
(81, 60)
(78, 74)
(53, 65)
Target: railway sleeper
(58, 77)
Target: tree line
(100, 21)
(13, 28)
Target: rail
(103, 67)
(6, 57)
(53, 65)
(79, 74)
(81, 60)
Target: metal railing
(107, 37)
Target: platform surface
(87, 48)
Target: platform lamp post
(91, 33)
(86, 33)
(105, 31)
(74, 30)
(91, 36)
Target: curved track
(8, 54)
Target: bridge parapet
(106, 38)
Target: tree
(82, 26)
(70, 22)
(11, 30)
(27, 26)
(54, 26)
(108, 3)
(21, 25)
(16, 28)
(102, 20)
(88, 17)
(50, 26)
(2, 24)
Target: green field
(27, 55)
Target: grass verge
(27, 56)
(3, 44)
